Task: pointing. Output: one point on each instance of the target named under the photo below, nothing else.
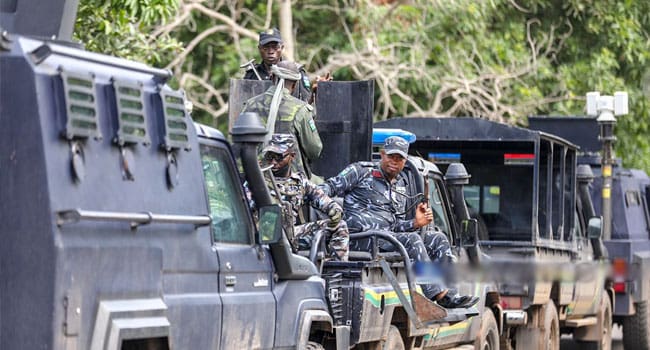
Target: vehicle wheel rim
(552, 341)
(606, 342)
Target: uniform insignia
(400, 189)
(306, 82)
(376, 173)
(312, 125)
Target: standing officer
(296, 190)
(285, 114)
(375, 198)
(270, 47)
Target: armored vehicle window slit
(225, 198)
(545, 171)
(131, 117)
(80, 118)
(437, 206)
(557, 213)
(569, 194)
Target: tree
(501, 60)
(121, 28)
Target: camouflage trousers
(338, 238)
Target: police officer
(375, 198)
(284, 114)
(270, 47)
(296, 190)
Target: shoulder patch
(312, 125)
(345, 171)
(306, 82)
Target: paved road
(617, 344)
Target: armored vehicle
(123, 225)
(545, 253)
(629, 246)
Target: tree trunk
(286, 28)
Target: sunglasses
(275, 157)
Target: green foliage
(522, 57)
(580, 46)
(121, 28)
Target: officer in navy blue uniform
(375, 198)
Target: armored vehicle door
(245, 268)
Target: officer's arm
(346, 180)
(316, 196)
(250, 75)
(307, 133)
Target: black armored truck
(123, 225)
(629, 243)
(546, 252)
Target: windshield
(225, 197)
(502, 195)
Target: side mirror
(469, 232)
(270, 224)
(595, 228)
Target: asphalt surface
(566, 343)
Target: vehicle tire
(505, 343)
(394, 340)
(488, 338)
(605, 321)
(551, 335)
(636, 328)
(314, 346)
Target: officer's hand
(423, 215)
(314, 84)
(335, 213)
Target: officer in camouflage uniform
(285, 114)
(375, 199)
(296, 190)
(270, 47)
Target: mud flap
(427, 310)
(422, 310)
(528, 338)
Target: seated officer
(375, 198)
(295, 190)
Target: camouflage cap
(269, 36)
(280, 143)
(396, 145)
